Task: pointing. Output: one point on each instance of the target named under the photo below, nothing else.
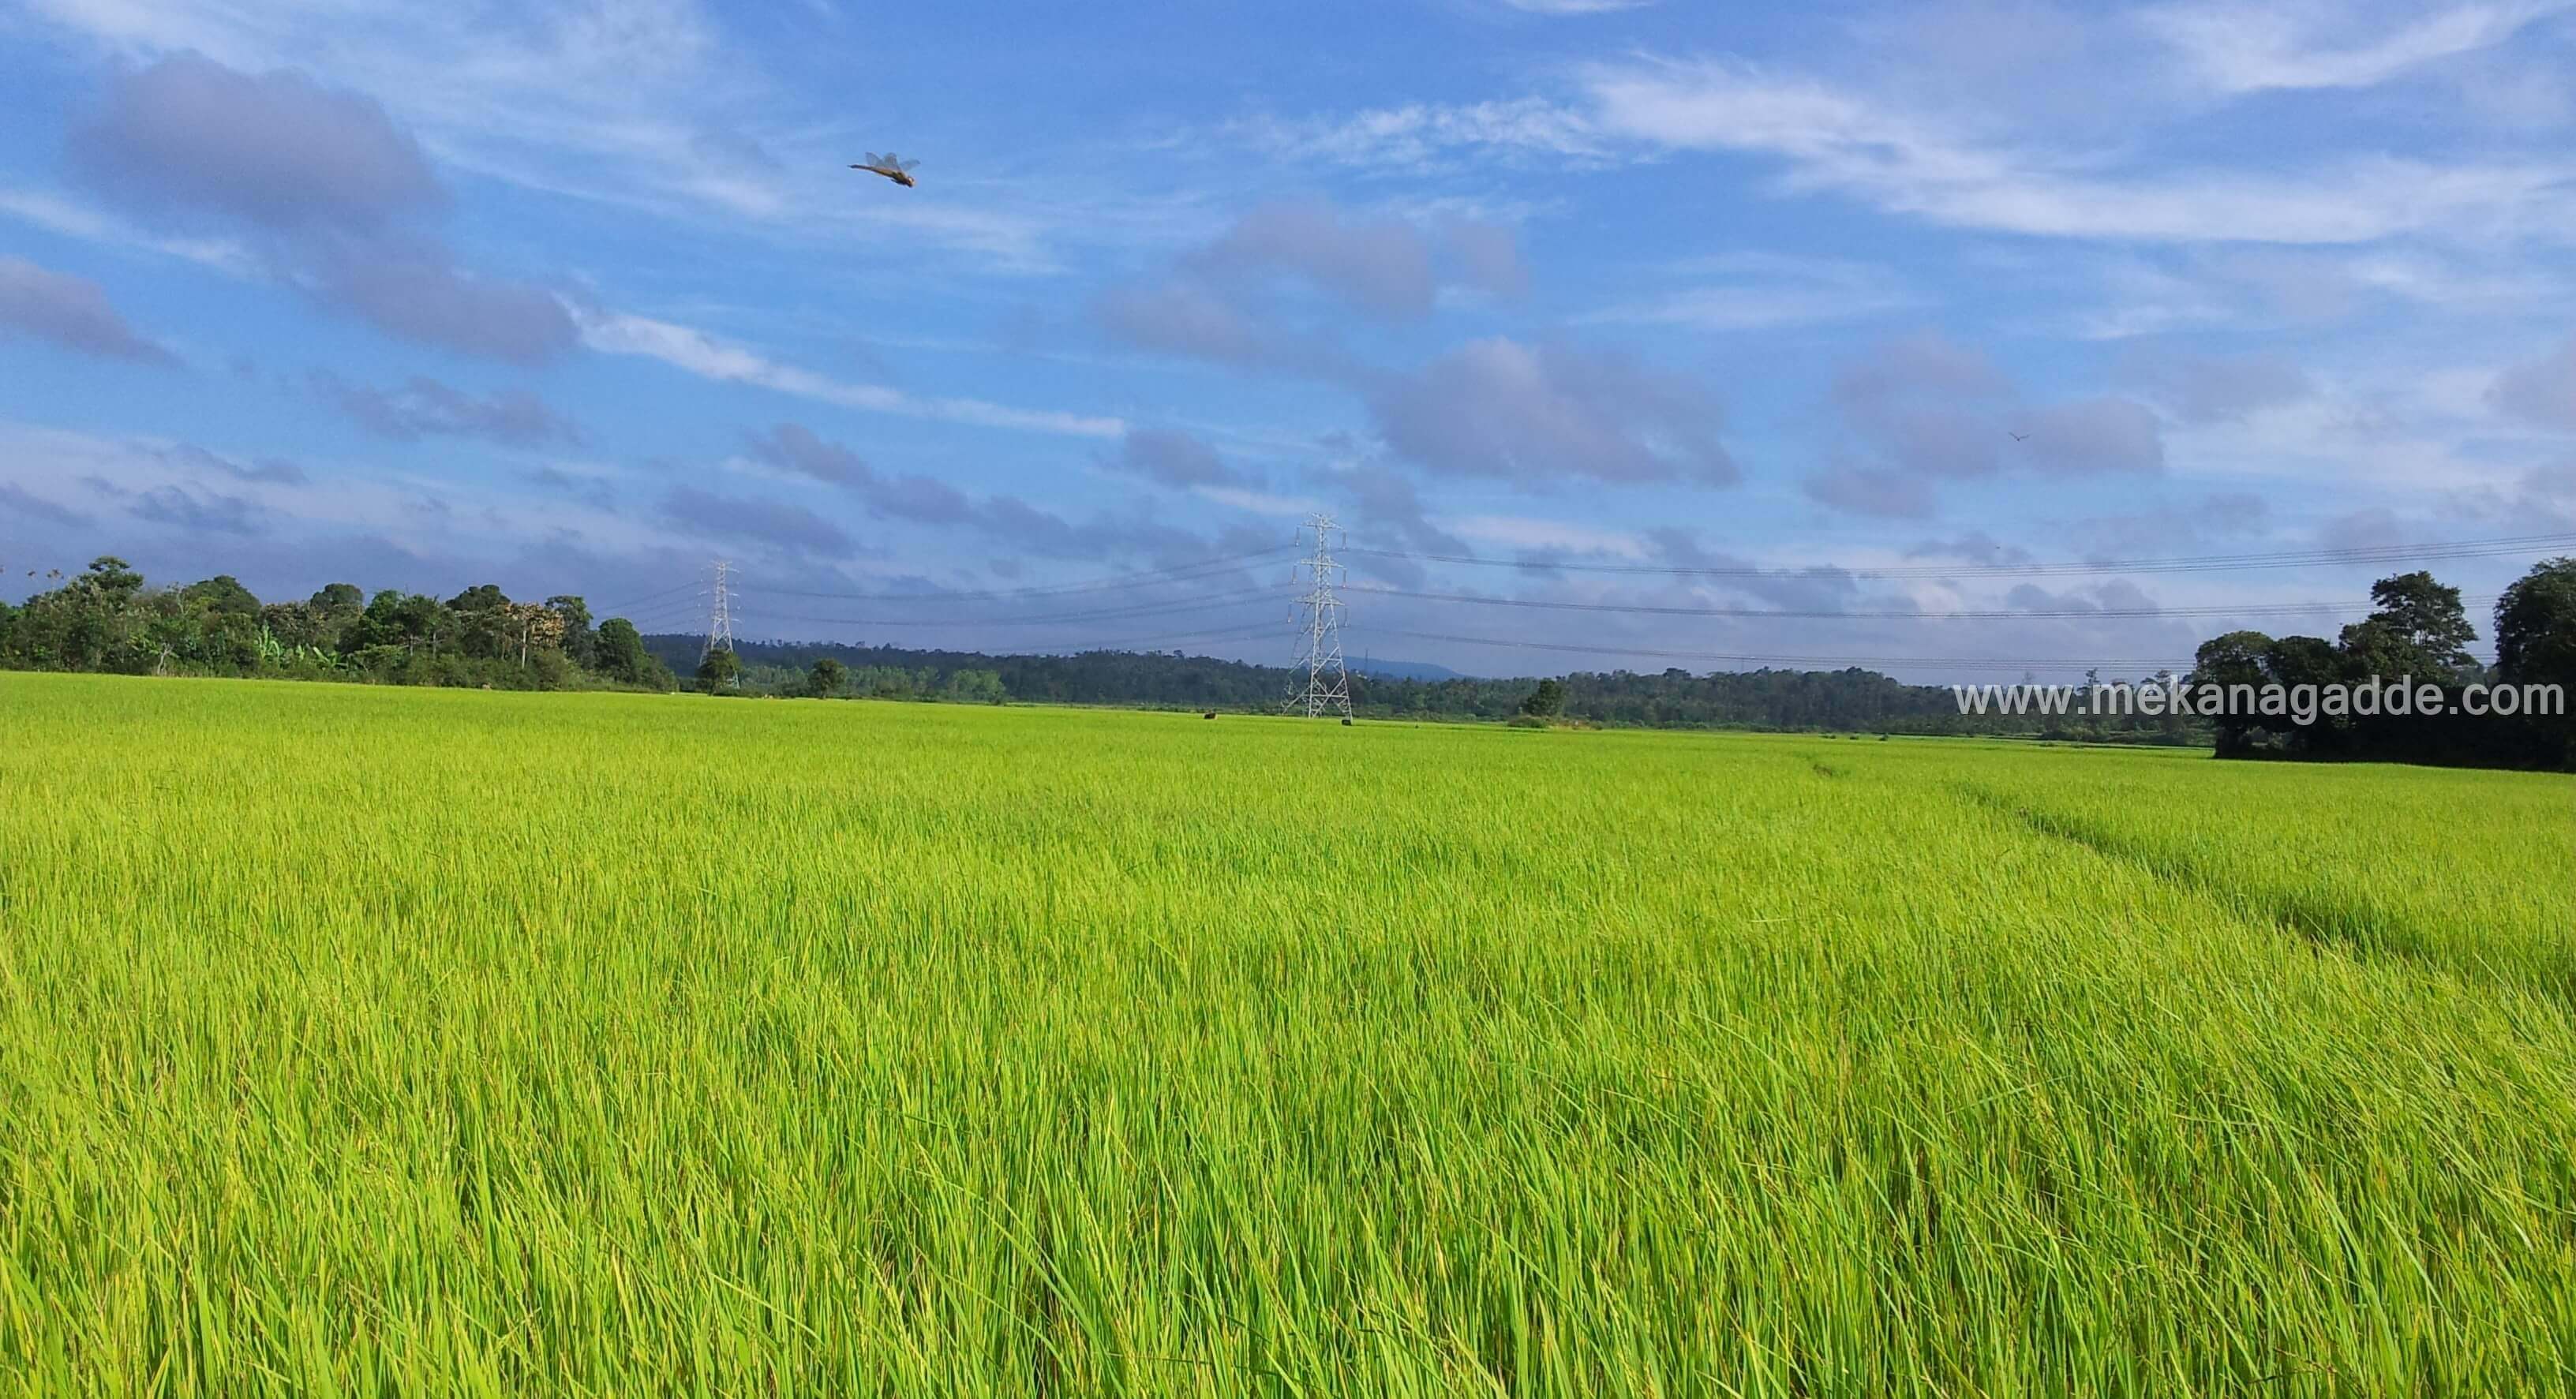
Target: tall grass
(389, 1042)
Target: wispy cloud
(1761, 291)
(1833, 140)
(56, 213)
(696, 352)
(2244, 48)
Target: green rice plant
(359, 1040)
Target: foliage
(827, 679)
(719, 668)
(348, 1048)
(2416, 632)
(107, 619)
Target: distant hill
(1851, 700)
(1405, 670)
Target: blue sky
(580, 296)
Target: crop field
(368, 1041)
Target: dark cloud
(198, 512)
(2200, 389)
(2119, 594)
(19, 505)
(1217, 303)
(589, 490)
(925, 500)
(796, 448)
(1922, 408)
(1551, 414)
(2375, 528)
(1180, 317)
(278, 150)
(1922, 363)
(1385, 505)
(1487, 257)
(69, 311)
(334, 193)
(1926, 406)
(415, 293)
(1380, 267)
(2546, 497)
(1175, 459)
(2096, 435)
(791, 526)
(1862, 490)
(425, 407)
(264, 470)
(2542, 390)
(1975, 546)
(915, 497)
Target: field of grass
(369, 1041)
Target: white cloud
(1913, 163)
(1759, 291)
(1418, 136)
(1260, 502)
(71, 219)
(2238, 48)
(637, 104)
(1518, 532)
(696, 352)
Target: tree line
(108, 619)
(2417, 632)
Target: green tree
(623, 656)
(2227, 661)
(2535, 626)
(720, 669)
(108, 579)
(397, 620)
(1545, 702)
(976, 687)
(580, 644)
(341, 601)
(827, 679)
(222, 593)
(2417, 629)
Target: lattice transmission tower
(1326, 688)
(720, 613)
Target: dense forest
(1828, 701)
(108, 619)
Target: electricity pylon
(720, 615)
(1326, 689)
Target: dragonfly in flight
(890, 165)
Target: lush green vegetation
(2416, 631)
(107, 619)
(369, 1041)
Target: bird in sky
(2017, 436)
(890, 165)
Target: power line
(2264, 609)
(1149, 609)
(1176, 573)
(622, 608)
(2203, 563)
